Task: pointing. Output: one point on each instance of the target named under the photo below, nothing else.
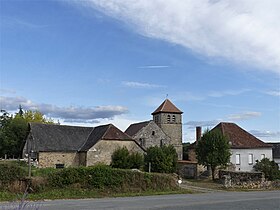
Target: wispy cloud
(273, 93)
(132, 84)
(209, 123)
(16, 22)
(153, 67)
(243, 116)
(223, 93)
(67, 113)
(245, 32)
(7, 91)
(261, 134)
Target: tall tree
(13, 130)
(213, 150)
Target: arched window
(168, 118)
(173, 118)
(153, 133)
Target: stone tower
(169, 118)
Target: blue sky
(95, 62)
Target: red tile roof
(167, 107)
(238, 137)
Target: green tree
(14, 128)
(121, 158)
(162, 159)
(269, 168)
(213, 150)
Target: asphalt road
(269, 200)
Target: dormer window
(168, 118)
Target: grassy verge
(70, 193)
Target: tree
(121, 158)
(14, 128)
(213, 150)
(269, 168)
(162, 159)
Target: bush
(163, 159)
(269, 168)
(105, 177)
(121, 158)
(11, 172)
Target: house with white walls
(245, 148)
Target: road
(257, 200)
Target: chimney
(198, 134)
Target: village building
(63, 146)
(245, 148)
(164, 129)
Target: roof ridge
(104, 134)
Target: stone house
(148, 134)
(245, 148)
(64, 146)
(165, 128)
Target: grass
(70, 193)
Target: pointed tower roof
(167, 107)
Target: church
(61, 146)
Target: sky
(94, 62)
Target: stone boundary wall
(243, 179)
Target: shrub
(121, 158)
(269, 168)
(10, 173)
(163, 159)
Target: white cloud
(153, 67)
(69, 114)
(140, 85)
(207, 123)
(243, 116)
(218, 94)
(273, 93)
(245, 32)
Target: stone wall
(187, 169)
(151, 135)
(50, 159)
(243, 179)
(102, 151)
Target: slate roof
(275, 149)
(104, 132)
(136, 127)
(238, 137)
(50, 137)
(167, 107)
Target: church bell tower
(169, 118)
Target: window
(153, 133)
(237, 159)
(161, 142)
(250, 161)
(173, 118)
(262, 156)
(168, 118)
(142, 142)
(59, 165)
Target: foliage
(13, 130)
(105, 177)
(162, 159)
(10, 173)
(185, 151)
(213, 150)
(269, 168)
(121, 158)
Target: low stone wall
(243, 179)
(187, 169)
